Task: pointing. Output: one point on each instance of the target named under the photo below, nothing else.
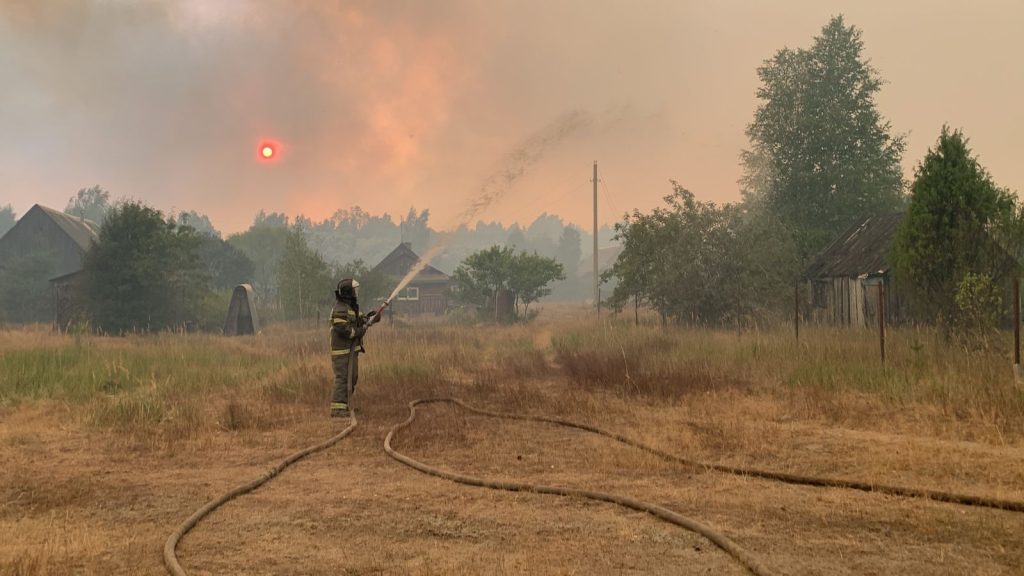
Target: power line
(608, 200)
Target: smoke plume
(512, 167)
(389, 104)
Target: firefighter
(347, 330)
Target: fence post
(881, 318)
(1016, 327)
(796, 309)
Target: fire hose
(720, 540)
(170, 556)
(170, 546)
(723, 542)
(660, 512)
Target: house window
(410, 293)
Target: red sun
(267, 151)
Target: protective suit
(347, 330)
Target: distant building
(427, 293)
(63, 241)
(843, 279)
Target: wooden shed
(61, 241)
(63, 237)
(427, 293)
(843, 280)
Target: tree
(90, 203)
(569, 253)
(959, 225)
(701, 263)
(482, 274)
(199, 222)
(226, 265)
(7, 219)
(303, 276)
(144, 273)
(527, 276)
(516, 238)
(821, 155)
(637, 266)
(275, 219)
(264, 245)
(416, 229)
(531, 278)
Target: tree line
(821, 159)
(151, 271)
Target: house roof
(606, 258)
(862, 249)
(83, 232)
(398, 263)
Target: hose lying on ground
(719, 540)
(950, 497)
(171, 559)
(661, 512)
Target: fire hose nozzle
(375, 315)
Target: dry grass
(828, 372)
(109, 442)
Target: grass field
(108, 443)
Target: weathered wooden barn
(427, 293)
(842, 281)
(44, 230)
(62, 241)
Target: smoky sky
(392, 104)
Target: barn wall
(849, 302)
(37, 233)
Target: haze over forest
(388, 105)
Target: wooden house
(427, 293)
(843, 280)
(61, 241)
(63, 238)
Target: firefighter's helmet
(347, 288)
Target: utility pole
(597, 281)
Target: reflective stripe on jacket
(344, 320)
